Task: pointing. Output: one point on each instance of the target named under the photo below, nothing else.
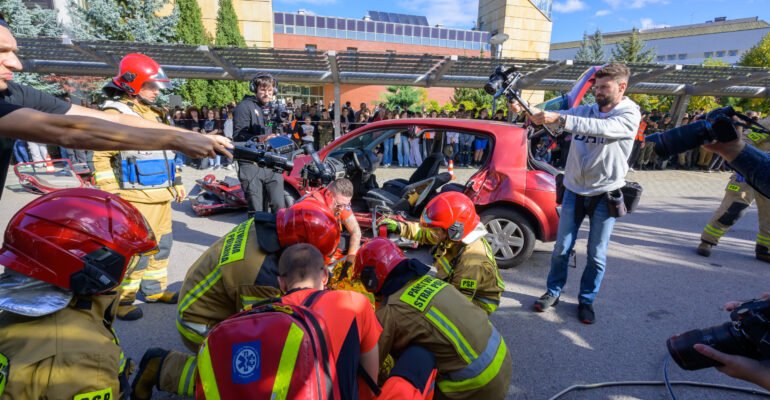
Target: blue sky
(570, 17)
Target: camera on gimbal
(747, 334)
(503, 81)
(718, 125)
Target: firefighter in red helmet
(238, 271)
(134, 91)
(462, 256)
(64, 255)
(420, 313)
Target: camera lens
(494, 84)
(681, 139)
(725, 338)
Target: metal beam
(679, 108)
(716, 85)
(652, 73)
(532, 78)
(437, 71)
(227, 66)
(91, 53)
(334, 66)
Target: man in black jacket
(253, 119)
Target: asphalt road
(655, 286)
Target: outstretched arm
(86, 132)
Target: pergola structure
(101, 58)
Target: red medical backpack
(273, 351)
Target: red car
(515, 196)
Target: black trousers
(255, 180)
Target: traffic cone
(48, 164)
(452, 168)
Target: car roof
(492, 127)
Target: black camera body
(502, 82)
(747, 334)
(270, 154)
(718, 125)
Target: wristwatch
(561, 122)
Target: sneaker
(586, 313)
(704, 249)
(165, 297)
(229, 167)
(545, 302)
(127, 311)
(148, 376)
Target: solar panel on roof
(398, 18)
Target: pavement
(655, 286)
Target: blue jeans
(215, 161)
(387, 151)
(20, 151)
(403, 151)
(598, 238)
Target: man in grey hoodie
(603, 137)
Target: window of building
(720, 53)
(708, 54)
(671, 57)
(352, 49)
(299, 30)
(391, 52)
(278, 28)
(733, 53)
(661, 58)
(310, 21)
(682, 56)
(311, 47)
(290, 29)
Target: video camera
(747, 334)
(267, 155)
(719, 125)
(324, 171)
(503, 82)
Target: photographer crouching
(603, 137)
(256, 118)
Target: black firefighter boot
(763, 253)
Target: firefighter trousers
(150, 275)
(738, 197)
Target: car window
(366, 141)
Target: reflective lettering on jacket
(422, 291)
(104, 394)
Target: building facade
(719, 39)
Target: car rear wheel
(510, 235)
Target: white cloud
(648, 23)
(636, 4)
(454, 13)
(602, 13)
(569, 6)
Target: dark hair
(342, 186)
(3, 22)
(299, 261)
(617, 71)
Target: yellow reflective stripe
(187, 380)
(764, 240)
(189, 334)
(733, 187)
(421, 292)
(480, 380)
(493, 261)
(286, 365)
(201, 288)
(713, 231)
(206, 372)
(4, 364)
(155, 273)
(131, 284)
(248, 301)
(445, 265)
(450, 331)
(104, 175)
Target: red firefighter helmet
(308, 222)
(453, 212)
(136, 70)
(82, 240)
(374, 262)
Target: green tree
(228, 34)
(757, 56)
(31, 23)
(474, 98)
(189, 30)
(706, 102)
(405, 98)
(584, 52)
(127, 20)
(631, 50)
(597, 47)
